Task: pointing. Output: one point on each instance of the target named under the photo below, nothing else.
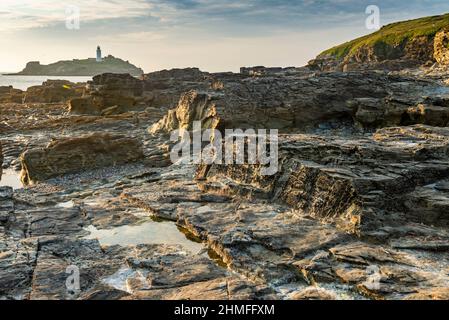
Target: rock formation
(119, 93)
(74, 154)
(53, 91)
(192, 106)
(397, 46)
(10, 95)
(108, 94)
(163, 88)
(1, 160)
(340, 181)
(299, 103)
(261, 70)
(441, 47)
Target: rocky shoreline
(362, 192)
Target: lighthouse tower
(99, 59)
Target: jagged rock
(88, 105)
(261, 70)
(108, 94)
(441, 49)
(49, 276)
(216, 289)
(250, 237)
(17, 259)
(430, 115)
(351, 183)
(95, 106)
(295, 103)
(313, 293)
(116, 84)
(6, 203)
(1, 160)
(430, 203)
(375, 113)
(52, 91)
(74, 154)
(267, 243)
(10, 95)
(163, 88)
(441, 293)
(192, 106)
(187, 74)
(6, 193)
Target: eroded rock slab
(75, 154)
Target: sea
(24, 82)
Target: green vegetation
(392, 35)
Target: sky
(214, 35)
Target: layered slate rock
(6, 203)
(270, 243)
(42, 239)
(108, 93)
(111, 93)
(441, 49)
(193, 106)
(360, 184)
(298, 102)
(53, 91)
(76, 154)
(10, 95)
(375, 113)
(1, 160)
(163, 88)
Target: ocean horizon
(24, 82)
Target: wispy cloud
(25, 14)
(185, 32)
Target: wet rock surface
(357, 210)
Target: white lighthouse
(99, 59)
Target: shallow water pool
(147, 232)
(11, 178)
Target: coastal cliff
(406, 44)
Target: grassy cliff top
(392, 34)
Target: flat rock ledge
(72, 155)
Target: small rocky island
(359, 208)
(81, 67)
